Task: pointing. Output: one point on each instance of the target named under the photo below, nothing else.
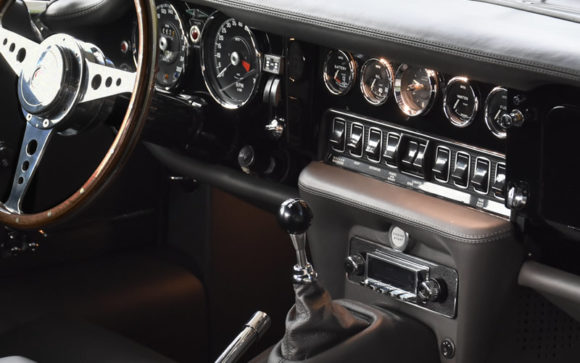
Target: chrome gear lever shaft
(295, 217)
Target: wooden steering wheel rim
(127, 136)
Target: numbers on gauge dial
(236, 64)
(173, 47)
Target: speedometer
(231, 62)
(173, 47)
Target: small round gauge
(415, 89)
(339, 72)
(460, 102)
(231, 62)
(173, 47)
(376, 80)
(496, 105)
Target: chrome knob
(515, 118)
(517, 197)
(429, 291)
(294, 217)
(354, 264)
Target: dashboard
(276, 103)
(255, 97)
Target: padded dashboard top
(495, 43)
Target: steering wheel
(59, 78)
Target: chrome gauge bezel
(385, 63)
(186, 48)
(433, 83)
(220, 19)
(352, 69)
(497, 132)
(456, 121)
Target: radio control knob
(429, 291)
(354, 264)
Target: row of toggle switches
(417, 156)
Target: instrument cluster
(205, 51)
(416, 90)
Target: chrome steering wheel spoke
(32, 150)
(105, 81)
(18, 51)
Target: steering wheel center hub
(48, 87)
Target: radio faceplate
(409, 279)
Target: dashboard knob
(276, 128)
(295, 216)
(515, 118)
(354, 264)
(429, 291)
(517, 197)
(253, 162)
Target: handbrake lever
(253, 331)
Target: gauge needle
(456, 103)
(336, 77)
(239, 80)
(497, 114)
(220, 74)
(415, 86)
(246, 65)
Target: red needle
(246, 65)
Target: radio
(397, 275)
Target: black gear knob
(295, 216)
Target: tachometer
(376, 80)
(173, 47)
(339, 72)
(415, 89)
(231, 62)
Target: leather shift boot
(316, 323)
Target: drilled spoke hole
(25, 165)
(12, 47)
(109, 82)
(21, 55)
(31, 147)
(20, 180)
(118, 82)
(96, 83)
(5, 41)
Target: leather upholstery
(69, 341)
(401, 204)
(73, 13)
(495, 43)
(481, 247)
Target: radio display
(391, 274)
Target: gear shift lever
(315, 323)
(295, 216)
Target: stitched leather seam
(407, 40)
(468, 238)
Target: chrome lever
(253, 330)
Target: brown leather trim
(429, 213)
(126, 139)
